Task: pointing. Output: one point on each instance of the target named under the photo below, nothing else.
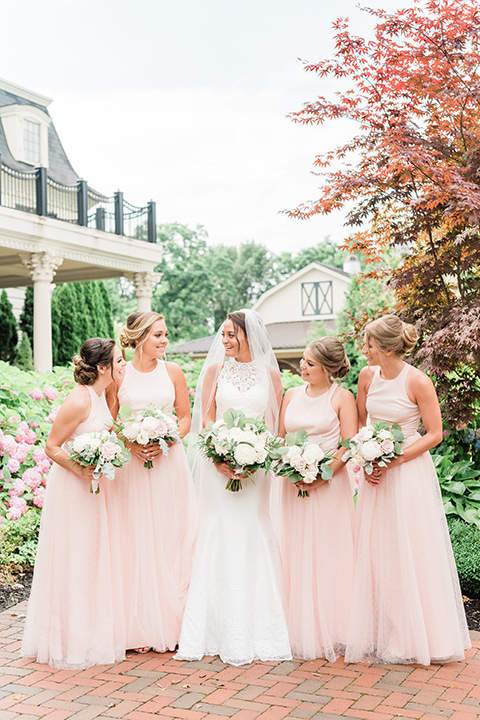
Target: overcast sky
(185, 102)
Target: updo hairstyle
(94, 352)
(137, 328)
(330, 354)
(391, 333)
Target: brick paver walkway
(148, 687)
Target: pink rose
(50, 393)
(36, 394)
(108, 450)
(13, 465)
(299, 463)
(39, 497)
(387, 446)
(32, 478)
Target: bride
(234, 607)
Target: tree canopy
(410, 175)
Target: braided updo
(137, 328)
(391, 333)
(330, 354)
(94, 352)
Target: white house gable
(316, 292)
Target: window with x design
(317, 298)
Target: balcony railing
(36, 193)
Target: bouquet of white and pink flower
(303, 461)
(378, 443)
(148, 426)
(244, 443)
(104, 450)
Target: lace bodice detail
(243, 386)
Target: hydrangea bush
(29, 402)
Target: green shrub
(460, 486)
(24, 356)
(466, 548)
(19, 539)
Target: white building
(291, 309)
(53, 226)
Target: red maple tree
(410, 176)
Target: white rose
(245, 454)
(131, 430)
(371, 450)
(235, 433)
(261, 455)
(309, 477)
(313, 454)
(293, 451)
(357, 459)
(94, 443)
(260, 441)
(81, 442)
(150, 425)
(384, 435)
(249, 437)
(104, 435)
(220, 448)
(142, 438)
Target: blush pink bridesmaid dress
(317, 540)
(407, 605)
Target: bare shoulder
(342, 395)
(77, 404)
(173, 369)
(291, 392)
(418, 382)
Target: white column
(42, 266)
(144, 283)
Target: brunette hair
(94, 352)
(137, 328)
(238, 320)
(391, 333)
(330, 354)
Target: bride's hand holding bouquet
(240, 445)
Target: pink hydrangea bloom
(33, 425)
(18, 488)
(21, 451)
(39, 497)
(52, 414)
(36, 394)
(32, 478)
(39, 455)
(17, 508)
(50, 393)
(13, 465)
(8, 444)
(25, 433)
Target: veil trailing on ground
(262, 357)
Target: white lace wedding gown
(235, 607)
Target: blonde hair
(330, 354)
(137, 328)
(391, 333)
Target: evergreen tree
(107, 305)
(24, 355)
(26, 318)
(68, 325)
(8, 329)
(55, 328)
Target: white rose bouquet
(303, 461)
(104, 450)
(148, 426)
(378, 443)
(244, 443)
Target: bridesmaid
(72, 618)
(317, 532)
(407, 605)
(155, 510)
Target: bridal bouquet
(378, 443)
(303, 461)
(148, 426)
(244, 443)
(104, 450)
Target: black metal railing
(36, 193)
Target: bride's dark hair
(238, 319)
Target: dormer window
(31, 141)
